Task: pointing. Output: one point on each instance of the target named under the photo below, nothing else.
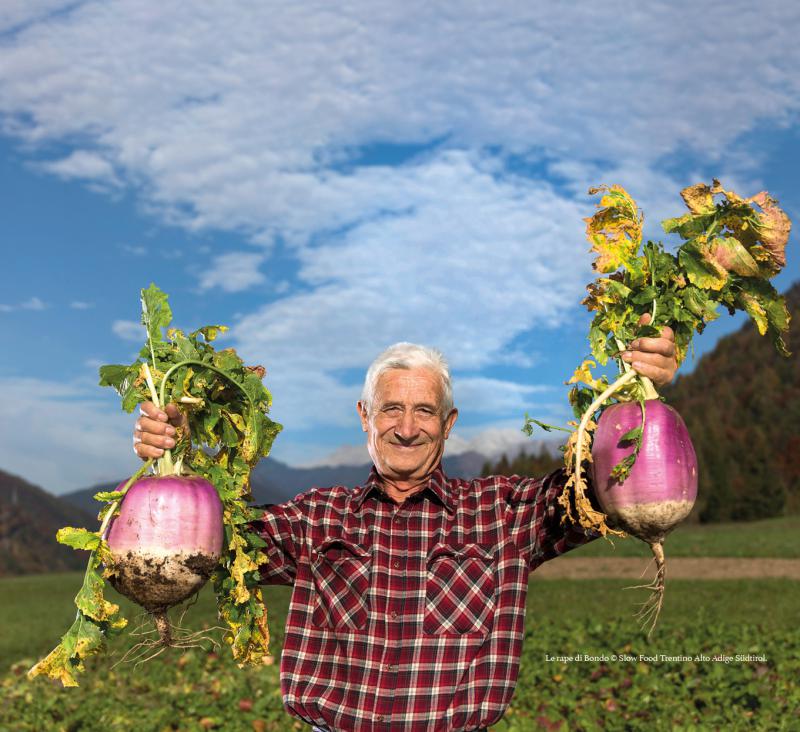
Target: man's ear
(449, 422)
(362, 413)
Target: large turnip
(162, 537)
(661, 487)
(642, 461)
(165, 543)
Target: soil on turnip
(158, 582)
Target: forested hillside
(742, 407)
(29, 519)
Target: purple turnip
(642, 460)
(662, 486)
(165, 543)
(660, 489)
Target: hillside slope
(29, 520)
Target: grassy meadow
(775, 537)
(687, 676)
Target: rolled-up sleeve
(536, 521)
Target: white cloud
(128, 330)
(233, 272)
(231, 117)
(32, 303)
(81, 305)
(474, 262)
(83, 164)
(248, 118)
(15, 14)
(134, 249)
(80, 439)
(344, 455)
(481, 395)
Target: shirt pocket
(459, 591)
(341, 572)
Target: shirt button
(379, 718)
(396, 564)
(394, 614)
(392, 667)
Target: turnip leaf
(156, 313)
(78, 538)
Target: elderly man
(408, 608)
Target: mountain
(29, 520)
(275, 482)
(742, 407)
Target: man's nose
(407, 428)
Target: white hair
(409, 356)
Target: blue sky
(328, 180)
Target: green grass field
(775, 537)
(675, 684)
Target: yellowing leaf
(754, 309)
(733, 257)
(698, 199)
(90, 600)
(703, 271)
(773, 226)
(733, 197)
(55, 665)
(584, 374)
(605, 291)
(83, 639)
(78, 538)
(241, 564)
(615, 231)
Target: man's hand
(155, 429)
(653, 357)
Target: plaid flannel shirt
(409, 617)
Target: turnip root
(661, 487)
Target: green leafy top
(729, 252)
(731, 247)
(226, 406)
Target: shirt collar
(437, 484)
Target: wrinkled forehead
(417, 385)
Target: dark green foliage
(532, 465)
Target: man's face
(405, 424)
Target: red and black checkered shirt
(409, 617)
